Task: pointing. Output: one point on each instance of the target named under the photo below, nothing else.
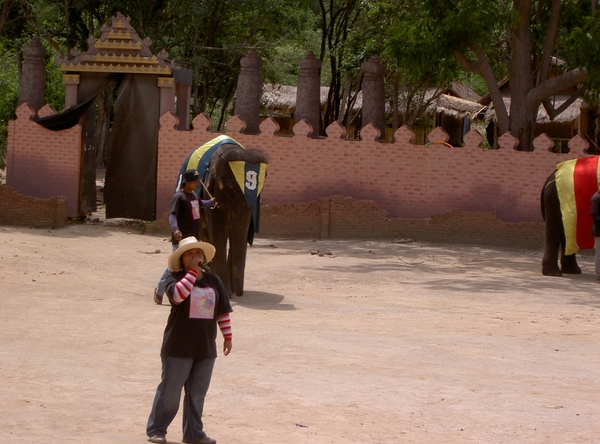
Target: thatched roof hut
(462, 91)
(455, 107)
(458, 100)
(570, 115)
(282, 98)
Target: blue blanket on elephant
(199, 159)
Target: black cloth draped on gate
(69, 117)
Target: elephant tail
(551, 179)
(542, 206)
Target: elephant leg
(236, 263)
(238, 247)
(551, 252)
(555, 241)
(555, 233)
(550, 260)
(568, 263)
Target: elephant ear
(250, 177)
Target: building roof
(456, 107)
(569, 115)
(118, 50)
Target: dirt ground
(377, 342)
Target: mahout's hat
(190, 176)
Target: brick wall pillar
(167, 94)
(33, 77)
(71, 82)
(308, 93)
(373, 95)
(183, 88)
(324, 213)
(248, 92)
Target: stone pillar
(183, 89)
(71, 82)
(33, 76)
(167, 95)
(248, 92)
(373, 109)
(308, 93)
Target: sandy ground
(378, 342)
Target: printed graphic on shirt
(202, 303)
(195, 209)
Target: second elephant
(565, 205)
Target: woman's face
(191, 258)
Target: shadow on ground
(261, 300)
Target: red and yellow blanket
(576, 182)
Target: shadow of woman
(261, 300)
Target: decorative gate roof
(118, 50)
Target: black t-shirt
(191, 329)
(186, 207)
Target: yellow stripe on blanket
(566, 196)
(194, 158)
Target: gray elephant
(234, 176)
(565, 205)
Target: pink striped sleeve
(184, 287)
(225, 325)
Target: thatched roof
(279, 97)
(283, 97)
(569, 115)
(462, 91)
(455, 107)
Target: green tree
(419, 69)
(212, 37)
(9, 85)
(543, 47)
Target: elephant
(565, 204)
(234, 176)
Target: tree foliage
(544, 47)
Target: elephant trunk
(238, 247)
(237, 265)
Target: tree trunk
(395, 119)
(522, 124)
(522, 111)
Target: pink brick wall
(339, 217)
(406, 180)
(16, 209)
(43, 163)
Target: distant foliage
(9, 85)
